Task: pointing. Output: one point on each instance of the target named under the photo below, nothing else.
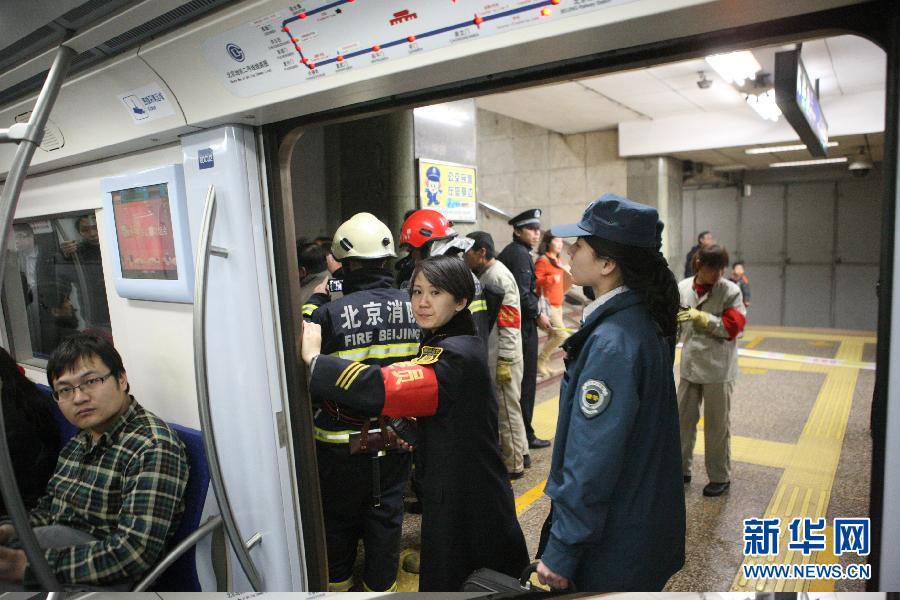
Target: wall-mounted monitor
(148, 235)
(799, 102)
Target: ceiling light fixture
(442, 114)
(735, 67)
(807, 163)
(764, 105)
(788, 148)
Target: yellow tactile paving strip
(754, 342)
(805, 486)
(809, 465)
(753, 332)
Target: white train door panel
(242, 355)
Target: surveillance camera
(703, 83)
(860, 167)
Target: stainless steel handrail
(210, 525)
(28, 142)
(204, 249)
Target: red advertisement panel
(144, 231)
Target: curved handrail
(210, 525)
(201, 276)
(8, 201)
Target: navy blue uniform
(618, 516)
(469, 516)
(517, 258)
(373, 324)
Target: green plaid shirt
(126, 490)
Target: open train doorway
(672, 131)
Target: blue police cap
(433, 174)
(618, 219)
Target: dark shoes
(538, 443)
(716, 489)
(687, 478)
(517, 475)
(527, 460)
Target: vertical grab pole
(204, 249)
(28, 142)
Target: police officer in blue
(617, 520)
(362, 482)
(517, 258)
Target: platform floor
(800, 447)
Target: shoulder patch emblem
(428, 355)
(595, 397)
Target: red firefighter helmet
(425, 226)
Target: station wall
(811, 241)
(522, 166)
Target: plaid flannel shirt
(126, 490)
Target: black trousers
(351, 515)
(529, 373)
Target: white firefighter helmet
(363, 236)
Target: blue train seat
(181, 575)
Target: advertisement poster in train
(144, 231)
(448, 188)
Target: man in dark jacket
(705, 239)
(517, 258)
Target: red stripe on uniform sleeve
(410, 390)
(733, 321)
(509, 317)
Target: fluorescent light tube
(807, 163)
(735, 67)
(788, 148)
(764, 105)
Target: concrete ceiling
(664, 100)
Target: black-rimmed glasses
(68, 392)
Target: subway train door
(241, 353)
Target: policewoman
(617, 521)
(468, 511)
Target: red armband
(733, 322)
(509, 317)
(410, 390)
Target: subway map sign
(321, 38)
(448, 188)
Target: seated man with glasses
(116, 495)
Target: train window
(58, 287)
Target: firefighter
(517, 258)
(469, 519)
(428, 233)
(362, 488)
